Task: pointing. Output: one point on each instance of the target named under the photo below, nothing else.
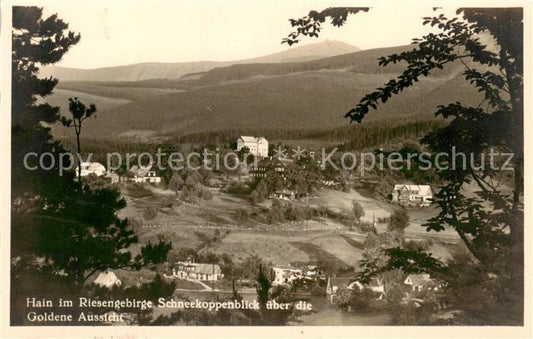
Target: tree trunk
(78, 132)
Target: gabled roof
(132, 277)
(248, 138)
(107, 279)
(208, 269)
(275, 162)
(374, 282)
(422, 189)
(92, 166)
(202, 268)
(417, 279)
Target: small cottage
(88, 168)
(284, 276)
(412, 195)
(283, 194)
(144, 174)
(421, 282)
(107, 279)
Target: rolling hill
(144, 71)
(311, 95)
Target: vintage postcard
(310, 168)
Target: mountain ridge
(162, 70)
(277, 96)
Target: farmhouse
(258, 146)
(424, 283)
(284, 276)
(272, 165)
(144, 174)
(412, 195)
(421, 282)
(284, 194)
(88, 168)
(107, 279)
(197, 271)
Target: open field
(195, 225)
(342, 201)
(282, 249)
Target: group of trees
(375, 259)
(303, 177)
(489, 221)
(371, 135)
(357, 300)
(61, 228)
(357, 211)
(280, 212)
(191, 185)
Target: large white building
(197, 271)
(258, 146)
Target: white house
(423, 283)
(420, 282)
(144, 174)
(284, 194)
(286, 275)
(197, 271)
(258, 146)
(412, 195)
(88, 168)
(107, 279)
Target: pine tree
(73, 227)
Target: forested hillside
(281, 98)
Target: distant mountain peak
(313, 51)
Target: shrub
(167, 202)
(150, 213)
(240, 216)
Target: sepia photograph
(267, 163)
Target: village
(307, 238)
(268, 165)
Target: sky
(127, 32)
